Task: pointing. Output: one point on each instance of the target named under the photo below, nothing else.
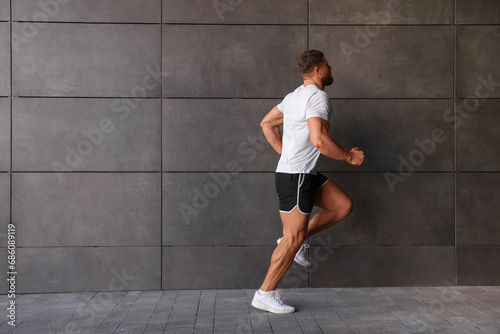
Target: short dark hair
(309, 59)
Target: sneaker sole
(264, 307)
(303, 265)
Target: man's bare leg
(294, 231)
(335, 206)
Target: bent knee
(294, 240)
(346, 208)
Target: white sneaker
(271, 302)
(300, 256)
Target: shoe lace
(303, 249)
(276, 297)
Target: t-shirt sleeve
(280, 106)
(319, 106)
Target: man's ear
(316, 70)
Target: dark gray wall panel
(197, 177)
(70, 269)
(193, 267)
(86, 134)
(239, 11)
(4, 10)
(87, 60)
(4, 208)
(87, 209)
(394, 62)
(207, 135)
(220, 209)
(478, 265)
(4, 134)
(4, 59)
(477, 209)
(478, 69)
(402, 217)
(222, 268)
(143, 11)
(231, 61)
(385, 266)
(478, 12)
(387, 130)
(477, 135)
(382, 12)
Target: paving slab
(396, 310)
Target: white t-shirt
(298, 154)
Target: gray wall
(131, 155)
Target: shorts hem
(304, 213)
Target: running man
(306, 115)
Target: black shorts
(298, 190)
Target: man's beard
(328, 81)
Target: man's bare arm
(271, 128)
(319, 131)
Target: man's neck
(311, 81)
